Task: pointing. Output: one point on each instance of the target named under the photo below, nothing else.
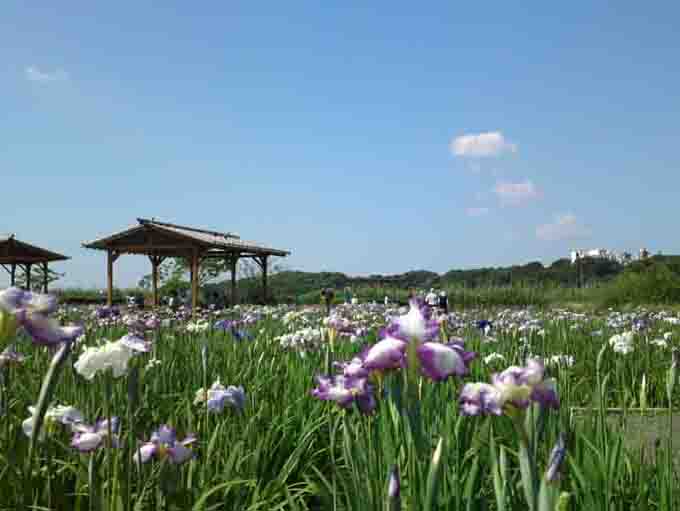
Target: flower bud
(8, 326)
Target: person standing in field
(443, 302)
(348, 295)
(431, 299)
(327, 296)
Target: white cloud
(565, 227)
(491, 143)
(33, 74)
(476, 211)
(516, 194)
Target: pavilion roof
(155, 237)
(13, 251)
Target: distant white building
(603, 253)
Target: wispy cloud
(33, 74)
(516, 194)
(564, 227)
(475, 212)
(481, 145)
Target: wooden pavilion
(160, 240)
(15, 253)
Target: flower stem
(49, 382)
(109, 453)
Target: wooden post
(264, 278)
(13, 275)
(191, 273)
(154, 278)
(233, 261)
(110, 259)
(45, 277)
(194, 280)
(28, 276)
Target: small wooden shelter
(160, 240)
(15, 253)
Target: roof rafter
(13, 251)
(152, 237)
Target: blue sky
(365, 139)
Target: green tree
(37, 277)
(177, 269)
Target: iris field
(372, 408)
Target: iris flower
(107, 312)
(112, 355)
(32, 311)
(152, 323)
(135, 343)
(437, 361)
(417, 325)
(346, 391)
(88, 438)
(218, 396)
(60, 414)
(556, 461)
(10, 356)
(517, 387)
(355, 368)
(480, 398)
(163, 444)
(388, 353)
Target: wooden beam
(143, 248)
(233, 261)
(154, 278)
(195, 257)
(110, 259)
(45, 277)
(13, 275)
(21, 259)
(28, 277)
(264, 279)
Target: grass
(288, 450)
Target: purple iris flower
(516, 386)
(164, 444)
(557, 457)
(88, 438)
(152, 323)
(480, 399)
(136, 343)
(32, 313)
(219, 397)
(439, 361)
(346, 391)
(134, 324)
(543, 391)
(107, 312)
(241, 335)
(389, 353)
(355, 368)
(484, 324)
(223, 324)
(417, 325)
(10, 356)
(546, 394)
